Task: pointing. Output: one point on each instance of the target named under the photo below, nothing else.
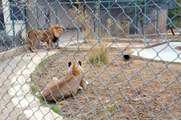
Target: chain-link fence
(88, 59)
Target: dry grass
(93, 58)
(139, 89)
(98, 56)
(103, 56)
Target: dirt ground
(178, 48)
(134, 89)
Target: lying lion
(49, 36)
(59, 89)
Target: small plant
(93, 58)
(111, 107)
(101, 56)
(34, 89)
(34, 76)
(55, 108)
(41, 99)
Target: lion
(49, 36)
(60, 89)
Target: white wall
(9, 28)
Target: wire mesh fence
(87, 59)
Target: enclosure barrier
(114, 59)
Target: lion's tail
(29, 46)
(32, 50)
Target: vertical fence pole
(12, 15)
(99, 18)
(109, 8)
(135, 16)
(94, 10)
(157, 32)
(144, 23)
(37, 22)
(56, 12)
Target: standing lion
(49, 36)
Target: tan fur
(61, 89)
(49, 36)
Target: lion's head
(57, 30)
(75, 67)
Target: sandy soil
(135, 89)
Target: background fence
(130, 52)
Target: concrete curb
(12, 53)
(19, 50)
(163, 52)
(21, 92)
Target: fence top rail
(94, 2)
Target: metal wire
(130, 52)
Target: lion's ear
(80, 63)
(69, 64)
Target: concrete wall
(157, 22)
(36, 15)
(68, 18)
(162, 21)
(31, 22)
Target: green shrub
(175, 16)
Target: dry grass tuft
(98, 55)
(93, 58)
(103, 55)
